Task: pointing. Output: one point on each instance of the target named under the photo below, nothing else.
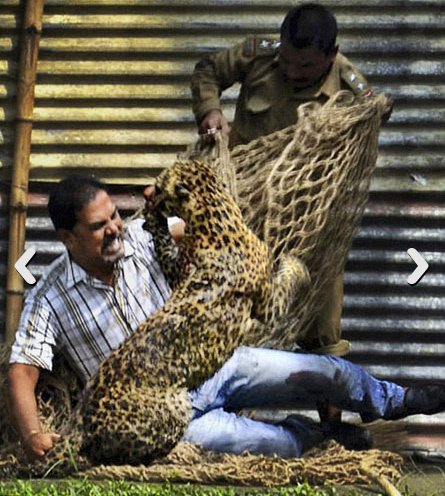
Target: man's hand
(176, 229)
(387, 111)
(24, 411)
(212, 122)
(154, 218)
(149, 195)
(37, 444)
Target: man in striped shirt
(108, 282)
(89, 300)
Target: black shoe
(308, 431)
(351, 436)
(427, 399)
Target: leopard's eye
(181, 190)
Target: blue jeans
(263, 378)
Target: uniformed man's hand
(388, 110)
(212, 122)
(39, 443)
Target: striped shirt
(83, 318)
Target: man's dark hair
(310, 24)
(70, 196)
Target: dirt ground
(421, 478)
(424, 478)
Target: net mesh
(303, 191)
(333, 464)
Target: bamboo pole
(27, 69)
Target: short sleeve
(36, 335)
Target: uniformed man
(277, 75)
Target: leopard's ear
(182, 191)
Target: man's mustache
(109, 239)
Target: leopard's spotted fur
(136, 407)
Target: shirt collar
(329, 86)
(74, 273)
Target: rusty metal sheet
(113, 99)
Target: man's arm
(212, 75)
(24, 411)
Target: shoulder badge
(354, 79)
(257, 45)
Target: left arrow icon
(22, 262)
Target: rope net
(333, 464)
(303, 191)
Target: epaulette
(354, 79)
(260, 45)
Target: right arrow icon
(422, 266)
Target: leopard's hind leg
(290, 277)
(142, 424)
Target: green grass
(121, 488)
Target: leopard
(136, 407)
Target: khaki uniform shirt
(267, 101)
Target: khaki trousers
(324, 336)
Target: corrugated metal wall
(112, 98)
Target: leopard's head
(189, 189)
